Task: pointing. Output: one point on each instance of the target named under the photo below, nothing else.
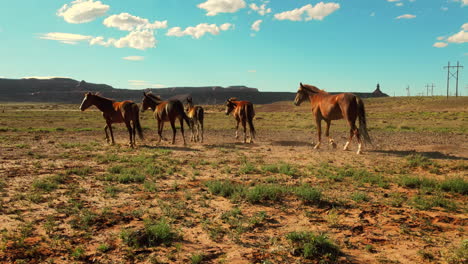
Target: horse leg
(109, 125)
(182, 129)
(107, 135)
(352, 127)
(160, 129)
(358, 136)
(244, 124)
(327, 134)
(134, 132)
(129, 128)
(173, 131)
(197, 124)
(202, 130)
(319, 133)
(192, 131)
(237, 127)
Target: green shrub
(153, 234)
(265, 192)
(224, 188)
(314, 247)
(308, 194)
(457, 185)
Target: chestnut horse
(196, 115)
(116, 112)
(330, 107)
(166, 111)
(242, 111)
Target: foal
(166, 111)
(242, 111)
(116, 112)
(196, 115)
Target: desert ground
(66, 196)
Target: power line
(451, 74)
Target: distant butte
(64, 90)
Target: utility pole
(451, 74)
(432, 89)
(427, 89)
(407, 91)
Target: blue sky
(337, 45)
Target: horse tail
(250, 112)
(362, 121)
(180, 109)
(136, 121)
(200, 114)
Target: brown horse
(330, 107)
(116, 112)
(196, 115)
(166, 111)
(242, 111)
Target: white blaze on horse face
(82, 103)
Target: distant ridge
(65, 90)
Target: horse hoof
(359, 152)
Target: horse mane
(98, 94)
(154, 97)
(232, 99)
(312, 88)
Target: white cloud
(67, 38)
(440, 45)
(372, 14)
(465, 26)
(261, 10)
(82, 11)
(463, 2)
(317, 12)
(141, 40)
(252, 71)
(393, 0)
(145, 84)
(460, 37)
(399, 4)
(406, 16)
(134, 58)
(444, 8)
(256, 25)
(199, 30)
(125, 21)
(213, 7)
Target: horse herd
(325, 106)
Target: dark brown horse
(196, 115)
(116, 112)
(166, 111)
(242, 111)
(330, 107)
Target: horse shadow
(291, 143)
(236, 145)
(427, 154)
(170, 148)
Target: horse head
(301, 95)
(149, 101)
(230, 105)
(88, 101)
(189, 103)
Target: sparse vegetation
(65, 192)
(312, 246)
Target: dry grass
(67, 197)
